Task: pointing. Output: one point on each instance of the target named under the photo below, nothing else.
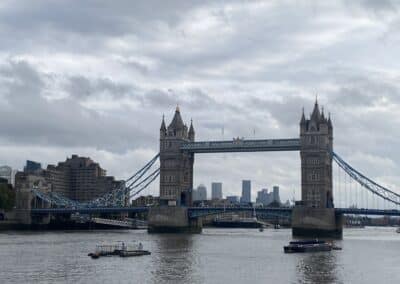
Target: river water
(370, 255)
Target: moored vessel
(120, 249)
(309, 246)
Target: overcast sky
(93, 78)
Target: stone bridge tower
(315, 215)
(316, 139)
(176, 167)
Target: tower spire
(191, 130)
(329, 121)
(316, 114)
(163, 127)
(177, 122)
(303, 118)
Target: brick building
(78, 178)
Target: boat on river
(120, 249)
(309, 246)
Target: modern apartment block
(78, 178)
(246, 191)
(216, 190)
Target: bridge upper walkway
(241, 145)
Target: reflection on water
(175, 259)
(318, 268)
(215, 256)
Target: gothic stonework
(176, 167)
(316, 137)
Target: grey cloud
(80, 86)
(29, 118)
(239, 65)
(377, 7)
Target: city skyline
(94, 87)
(254, 193)
(187, 141)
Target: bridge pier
(172, 219)
(316, 222)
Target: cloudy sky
(94, 78)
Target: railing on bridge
(90, 210)
(195, 212)
(242, 145)
(365, 211)
(352, 183)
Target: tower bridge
(314, 215)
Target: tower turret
(315, 115)
(330, 127)
(163, 129)
(303, 123)
(177, 127)
(191, 131)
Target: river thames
(369, 255)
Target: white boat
(398, 230)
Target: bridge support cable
(367, 183)
(115, 197)
(149, 179)
(118, 196)
(145, 167)
(141, 172)
(157, 171)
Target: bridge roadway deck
(241, 145)
(202, 211)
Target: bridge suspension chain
(367, 183)
(116, 197)
(149, 180)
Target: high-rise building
(275, 192)
(216, 190)
(246, 191)
(32, 167)
(233, 199)
(202, 192)
(263, 197)
(80, 178)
